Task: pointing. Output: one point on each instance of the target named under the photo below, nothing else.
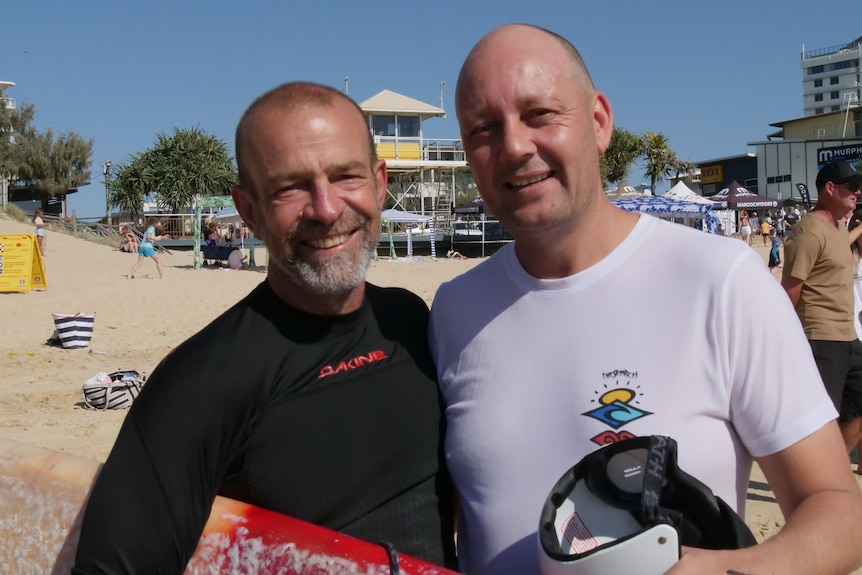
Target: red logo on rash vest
(351, 364)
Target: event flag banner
(21, 264)
(803, 191)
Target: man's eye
(537, 114)
(287, 191)
(482, 129)
(347, 178)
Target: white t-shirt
(234, 260)
(663, 336)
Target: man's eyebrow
(347, 166)
(299, 175)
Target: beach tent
(393, 215)
(228, 213)
(735, 197)
(664, 207)
(624, 190)
(682, 192)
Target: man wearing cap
(818, 277)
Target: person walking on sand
(40, 230)
(745, 227)
(147, 250)
(818, 278)
(546, 351)
(775, 254)
(766, 228)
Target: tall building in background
(831, 78)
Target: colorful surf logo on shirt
(617, 401)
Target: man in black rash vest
(330, 412)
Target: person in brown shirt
(818, 278)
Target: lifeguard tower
(425, 169)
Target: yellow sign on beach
(21, 265)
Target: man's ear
(382, 179)
(243, 200)
(603, 118)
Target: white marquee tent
(682, 192)
(392, 215)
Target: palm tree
(129, 186)
(622, 151)
(188, 164)
(661, 161)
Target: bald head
(288, 98)
(514, 37)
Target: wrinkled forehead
(334, 119)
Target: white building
(8, 102)
(831, 78)
(830, 128)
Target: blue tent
(664, 207)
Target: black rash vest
(333, 420)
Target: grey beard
(332, 275)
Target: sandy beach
(138, 321)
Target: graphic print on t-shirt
(617, 399)
(353, 363)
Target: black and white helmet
(627, 508)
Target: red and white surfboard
(42, 498)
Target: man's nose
(517, 140)
(326, 204)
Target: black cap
(838, 172)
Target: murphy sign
(850, 153)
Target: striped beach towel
(74, 330)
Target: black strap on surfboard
(394, 567)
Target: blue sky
(710, 76)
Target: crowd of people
(358, 409)
(772, 223)
(234, 256)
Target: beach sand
(139, 321)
